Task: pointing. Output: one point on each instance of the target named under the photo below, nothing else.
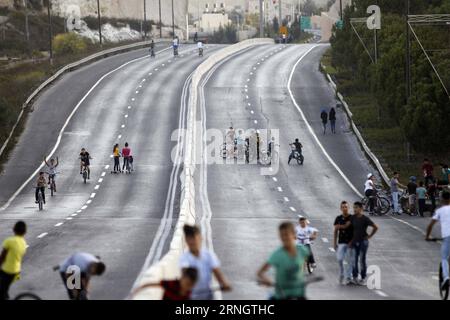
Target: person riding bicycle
(305, 236)
(175, 44)
(288, 261)
(126, 153)
(200, 47)
(370, 192)
(442, 215)
(85, 158)
(51, 170)
(76, 272)
(296, 149)
(40, 187)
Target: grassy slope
(383, 138)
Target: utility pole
(408, 52)
(27, 28)
(173, 20)
(340, 10)
(99, 23)
(160, 20)
(50, 30)
(145, 19)
(261, 18)
(279, 9)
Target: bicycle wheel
(84, 176)
(52, 188)
(27, 296)
(384, 205)
(443, 293)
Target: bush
(69, 43)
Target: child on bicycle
(40, 186)
(288, 261)
(305, 236)
(51, 170)
(179, 289)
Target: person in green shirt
(288, 261)
(13, 250)
(445, 175)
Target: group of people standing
(127, 159)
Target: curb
(167, 267)
(68, 68)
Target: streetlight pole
(145, 19)
(408, 52)
(341, 12)
(279, 9)
(261, 18)
(160, 20)
(99, 23)
(173, 20)
(27, 28)
(50, 30)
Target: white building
(211, 22)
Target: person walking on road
(13, 250)
(442, 215)
(342, 238)
(394, 192)
(126, 152)
(81, 265)
(360, 241)
(288, 261)
(205, 262)
(332, 118)
(324, 117)
(152, 49)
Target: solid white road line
(310, 129)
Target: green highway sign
(305, 23)
(340, 24)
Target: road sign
(305, 23)
(284, 30)
(340, 24)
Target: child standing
(421, 193)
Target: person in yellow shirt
(13, 250)
(116, 154)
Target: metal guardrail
(355, 129)
(68, 68)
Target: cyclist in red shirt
(126, 152)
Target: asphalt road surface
(240, 209)
(128, 219)
(141, 101)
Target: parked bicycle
(382, 203)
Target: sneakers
(362, 282)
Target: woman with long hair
(116, 155)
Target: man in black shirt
(360, 241)
(342, 237)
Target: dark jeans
(42, 190)
(359, 258)
(428, 179)
(6, 280)
(333, 126)
(116, 164)
(371, 195)
(81, 293)
(126, 163)
(421, 203)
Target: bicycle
(85, 174)
(40, 199)
(51, 178)
(442, 291)
(382, 203)
(304, 284)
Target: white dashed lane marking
(293, 209)
(331, 249)
(325, 240)
(93, 195)
(275, 179)
(59, 224)
(84, 207)
(280, 189)
(42, 235)
(97, 187)
(286, 199)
